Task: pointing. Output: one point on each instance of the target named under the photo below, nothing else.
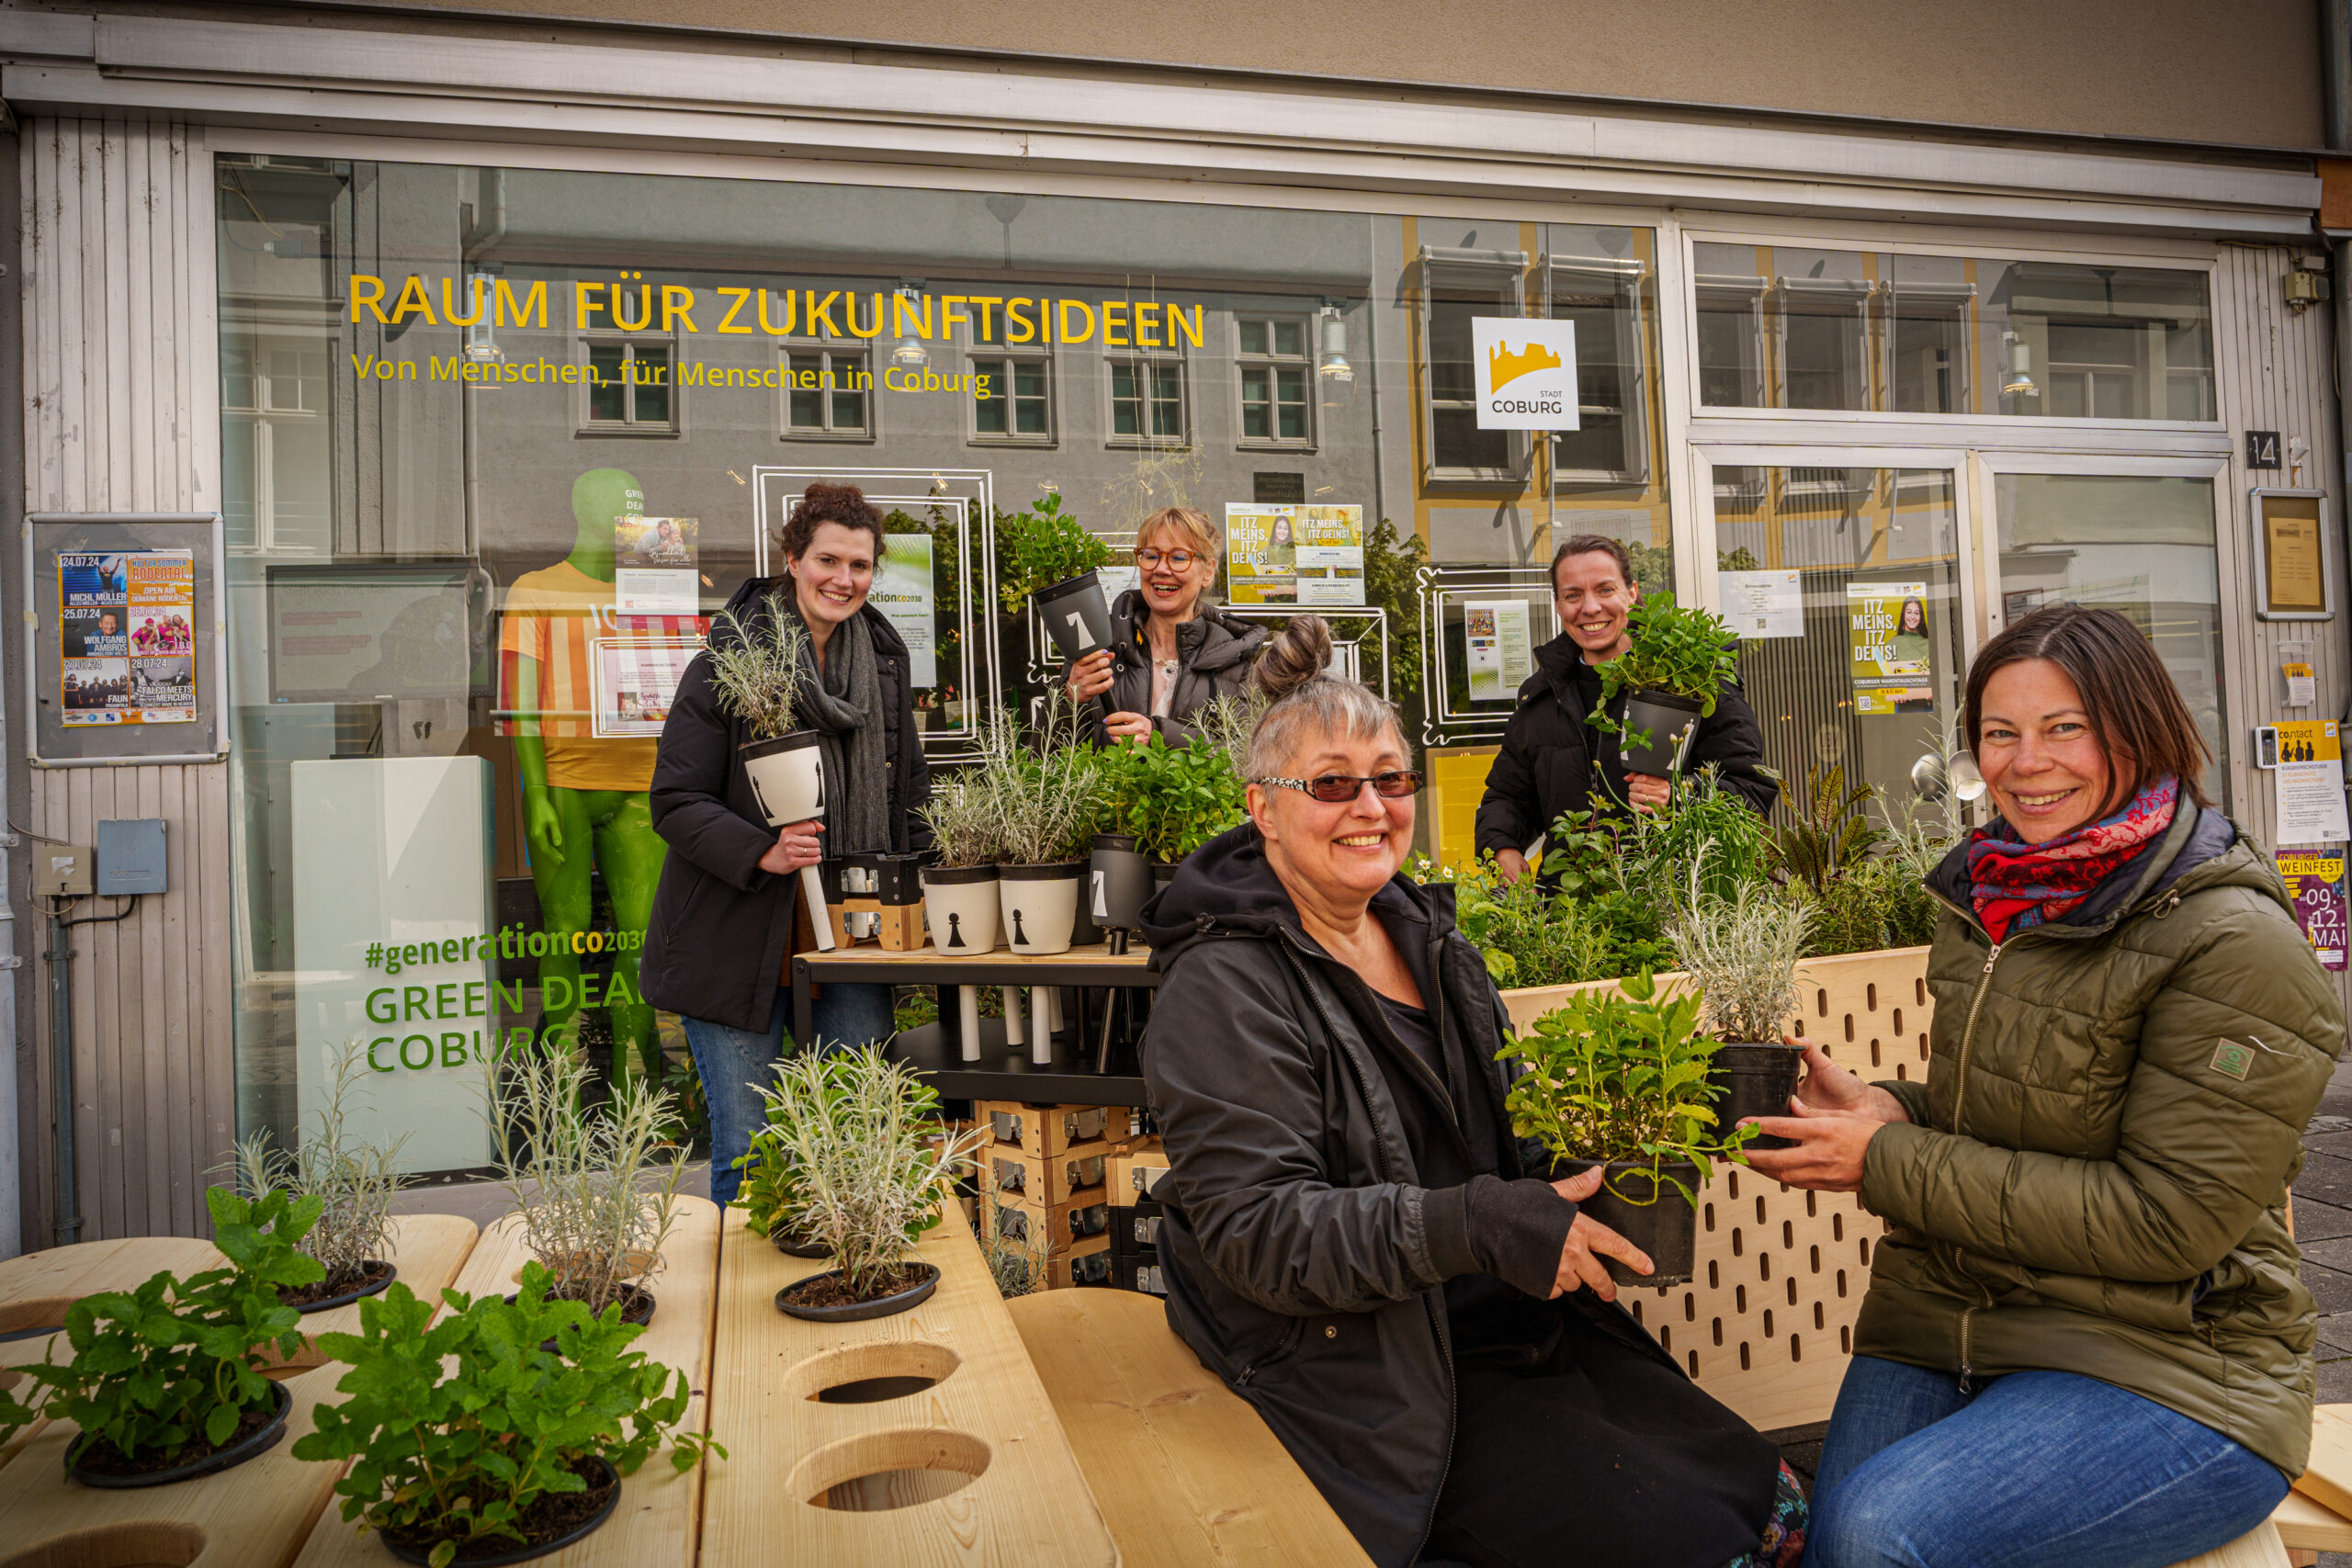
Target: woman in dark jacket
(728, 915)
(1171, 654)
(1357, 1244)
(2085, 1340)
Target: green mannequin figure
(583, 795)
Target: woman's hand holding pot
(1834, 1116)
(1649, 791)
(1090, 676)
(795, 846)
(1589, 1241)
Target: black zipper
(1282, 1350)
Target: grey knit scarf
(845, 710)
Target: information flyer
(636, 680)
(1294, 555)
(1888, 638)
(653, 566)
(2308, 780)
(902, 591)
(1501, 652)
(2316, 883)
(1761, 604)
(125, 630)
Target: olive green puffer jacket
(2095, 1175)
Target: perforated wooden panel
(1766, 1325)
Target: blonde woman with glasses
(1171, 653)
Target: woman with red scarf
(2086, 1341)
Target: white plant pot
(962, 905)
(1040, 905)
(787, 777)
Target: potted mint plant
(1679, 658)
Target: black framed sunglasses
(1338, 789)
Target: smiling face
(1338, 856)
(1169, 594)
(831, 577)
(1915, 616)
(1593, 598)
(2048, 771)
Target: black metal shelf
(1005, 1072)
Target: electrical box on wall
(61, 871)
(131, 856)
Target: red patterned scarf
(2015, 884)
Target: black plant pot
(374, 1287)
(581, 1531)
(637, 1306)
(1118, 882)
(914, 1295)
(1754, 1080)
(236, 1453)
(1076, 614)
(1669, 722)
(1162, 873)
(1656, 1218)
(792, 1248)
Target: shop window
(275, 428)
(1457, 286)
(1731, 329)
(830, 393)
(1148, 402)
(631, 387)
(1017, 405)
(1275, 374)
(1612, 442)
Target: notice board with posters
(125, 659)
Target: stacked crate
(1045, 1183)
(1137, 1168)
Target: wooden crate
(1084, 1262)
(1137, 1171)
(983, 1416)
(1051, 1227)
(1766, 1325)
(1047, 1131)
(1014, 1175)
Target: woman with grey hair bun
(1356, 1243)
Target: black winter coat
(716, 944)
(1213, 652)
(1306, 1262)
(1553, 761)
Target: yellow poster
(1887, 636)
(1294, 555)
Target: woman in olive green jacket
(2084, 1342)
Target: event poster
(653, 566)
(1888, 640)
(1294, 555)
(126, 631)
(902, 591)
(2309, 782)
(2315, 882)
(636, 680)
(1500, 650)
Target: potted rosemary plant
(756, 670)
(965, 814)
(166, 1380)
(580, 1177)
(500, 1433)
(874, 1171)
(355, 1182)
(1742, 951)
(1048, 807)
(1618, 1077)
(1679, 658)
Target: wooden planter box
(1766, 1324)
(964, 1460)
(659, 1517)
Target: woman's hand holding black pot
(1589, 1241)
(1833, 1115)
(1649, 791)
(795, 846)
(1830, 1088)
(1090, 676)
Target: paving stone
(2335, 1381)
(2315, 1221)
(2337, 1142)
(2330, 1288)
(2328, 1179)
(2334, 1336)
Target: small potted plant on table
(1048, 805)
(355, 1182)
(965, 814)
(166, 1382)
(1679, 658)
(1617, 1078)
(502, 1432)
(1743, 951)
(874, 1171)
(1185, 795)
(756, 670)
(579, 1178)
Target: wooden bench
(1184, 1471)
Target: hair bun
(1295, 654)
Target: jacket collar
(1209, 642)
(2201, 849)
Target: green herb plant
(177, 1361)
(1742, 950)
(1176, 798)
(1039, 548)
(756, 668)
(1619, 1074)
(1674, 647)
(354, 1179)
(460, 1427)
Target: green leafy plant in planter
(354, 1180)
(1829, 832)
(1177, 798)
(1041, 547)
(469, 1435)
(1532, 936)
(1659, 851)
(171, 1372)
(1680, 650)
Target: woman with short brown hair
(1171, 653)
(2085, 1341)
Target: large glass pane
(2140, 544)
(1868, 676)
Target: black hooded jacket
(1214, 651)
(1342, 1222)
(716, 943)
(1553, 761)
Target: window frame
(1445, 268)
(1626, 279)
(1274, 362)
(264, 421)
(1146, 360)
(828, 434)
(978, 349)
(631, 428)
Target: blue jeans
(2031, 1468)
(734, 1065)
